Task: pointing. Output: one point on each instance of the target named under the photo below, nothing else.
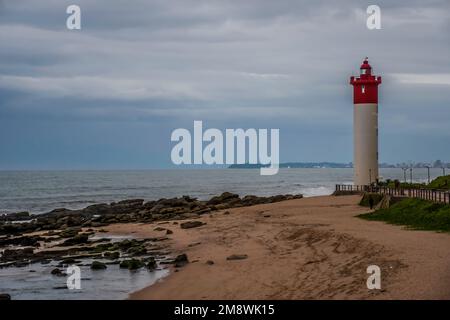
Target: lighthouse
(365, 125)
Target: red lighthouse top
(365, 87)
(365, 65)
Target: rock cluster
(70, 230)
(109, 251)
(133, 210)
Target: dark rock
(169, 231)
(5, 296)
(20, 264)
(224, 197)
(97, 265)
(99, 240)
(16, 254)
(69, 232)
(151, 263)
(189, 199)
(97, 209)
(137, 251)
(226, 212)
(132, 264)
(191, 224)
(59, 210)
(194, 244)
(52, 233)
(159, 229)
(237, 257)
(23, 241)
(181, 260)
(148, 205)
(131, 202)
(202, 211)
(78, 239)
(57, 272)
(277, 198)
(67, 261)
(210, 262)
(17, 216)
(100, 248)
(112, 255)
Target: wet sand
(311, 248)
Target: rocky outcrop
(18, 216)
(5, 296)
(23, 241)
(133, 210)
(97, 265)
(132, 264)
(90, 249)
(78, 239)
(191, 224)
(151, 263)
(237, 257)
(181, 260)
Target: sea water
(42, 191)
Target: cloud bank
(147, 67)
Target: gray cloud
(262, 61)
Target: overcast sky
(109, 95)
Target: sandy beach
(311, 248)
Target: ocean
(42, 191)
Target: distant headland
(433, 164)
(294, 165)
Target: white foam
(316, 191)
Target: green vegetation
(406, 185)
(416, 214)
(442, 182)
(131, 264)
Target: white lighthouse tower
(365, 124)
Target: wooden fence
(441, 196)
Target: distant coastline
(336, 165)
(294, 165)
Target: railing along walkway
(441, 196)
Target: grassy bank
(442, 182)
(415, 214)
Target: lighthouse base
(365, 163)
